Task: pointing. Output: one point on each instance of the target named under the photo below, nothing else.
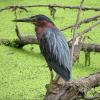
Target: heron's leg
(51, 79)
(51, 73)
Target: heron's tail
(65, 74)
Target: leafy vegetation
(24, 72)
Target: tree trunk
(73, 89)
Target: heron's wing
(54, 47)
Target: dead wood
(23, 7)
(25, 40)
(73, 89)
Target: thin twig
(74, 30)
(86, 30)
(87, 20)
(46, 5)
(17, 32)
(16, 26)
(14, 8)
(89, 28)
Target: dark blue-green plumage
(52, 43)
(55, 49)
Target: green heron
(52, 44)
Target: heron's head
(37, 20)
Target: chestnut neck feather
(41, 27)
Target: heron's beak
(23, 20)
(28, 20)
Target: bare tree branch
(89, 28)
(17, 32)
(74, 31)
(23, 7)
(87, 20)
(13, 8)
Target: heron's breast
(39, 32)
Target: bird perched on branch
(52, 44)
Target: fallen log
(73, 89)
(25, 40)
(19, 42)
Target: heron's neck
(39, 29)
(42, 25)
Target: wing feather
(54, 47)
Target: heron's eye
(34, 20)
